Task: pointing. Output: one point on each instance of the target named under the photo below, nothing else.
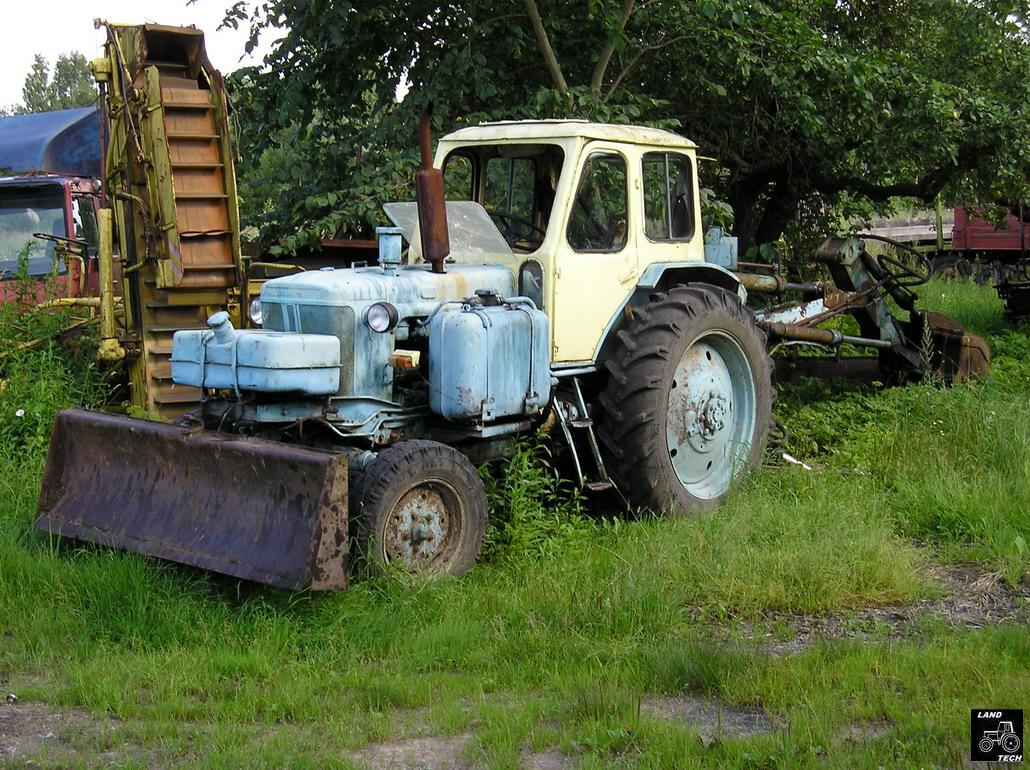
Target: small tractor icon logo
(1004, 736)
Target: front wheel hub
(417, 533)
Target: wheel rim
(425, 527)
(986, 745)
(711, 414)
(1010, 743)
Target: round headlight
(255, 311)
(381, 317)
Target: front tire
(688, 403)
(420, 506)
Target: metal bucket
(254, 509)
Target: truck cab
(49, 201)
(48, 205)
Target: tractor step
(580, 423)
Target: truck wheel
(688, 401)
(951, 266)
(421, 506)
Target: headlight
(255, 311)
(382, 317)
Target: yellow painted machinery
(171, 188)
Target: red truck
(975, 238)
(49, 196)
(1000, 254)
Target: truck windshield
(24, 211)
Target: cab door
(595, 264)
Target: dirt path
(31, 729)
(973, 599)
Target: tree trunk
(762, 209)
(544, 44)
(780, 208)
(745, 197)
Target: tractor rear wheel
(688, 402)
(419, 506)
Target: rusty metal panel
(254, 509)
(957, 355)
(201, 217)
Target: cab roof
(542, 130)
(63, 142)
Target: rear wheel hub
(711, 413)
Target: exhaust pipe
(429, 193)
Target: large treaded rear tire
(421, 506)
(657, 442)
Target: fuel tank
(489, 359)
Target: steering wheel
(909, 268)
(512, 236)
(69, 243)
(899, 274)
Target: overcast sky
(53, 27)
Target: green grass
(571, 622)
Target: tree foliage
(810, 107)
(70, 84)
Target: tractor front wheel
(419, 506)
(688, 400)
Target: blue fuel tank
(489, 359)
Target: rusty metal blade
(254, 509)
(958, 355)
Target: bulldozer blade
(254, 509)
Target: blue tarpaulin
(62, 142)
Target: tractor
(1004, 736)
(552, 278)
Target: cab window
(457, 178)
(599, 221)
(85, 216)
(515, 183)
(509, 187)
(668, 197)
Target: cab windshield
(515, 184)
(24, 211)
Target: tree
(71, 84)
(811, 107)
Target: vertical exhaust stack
(429, 192)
